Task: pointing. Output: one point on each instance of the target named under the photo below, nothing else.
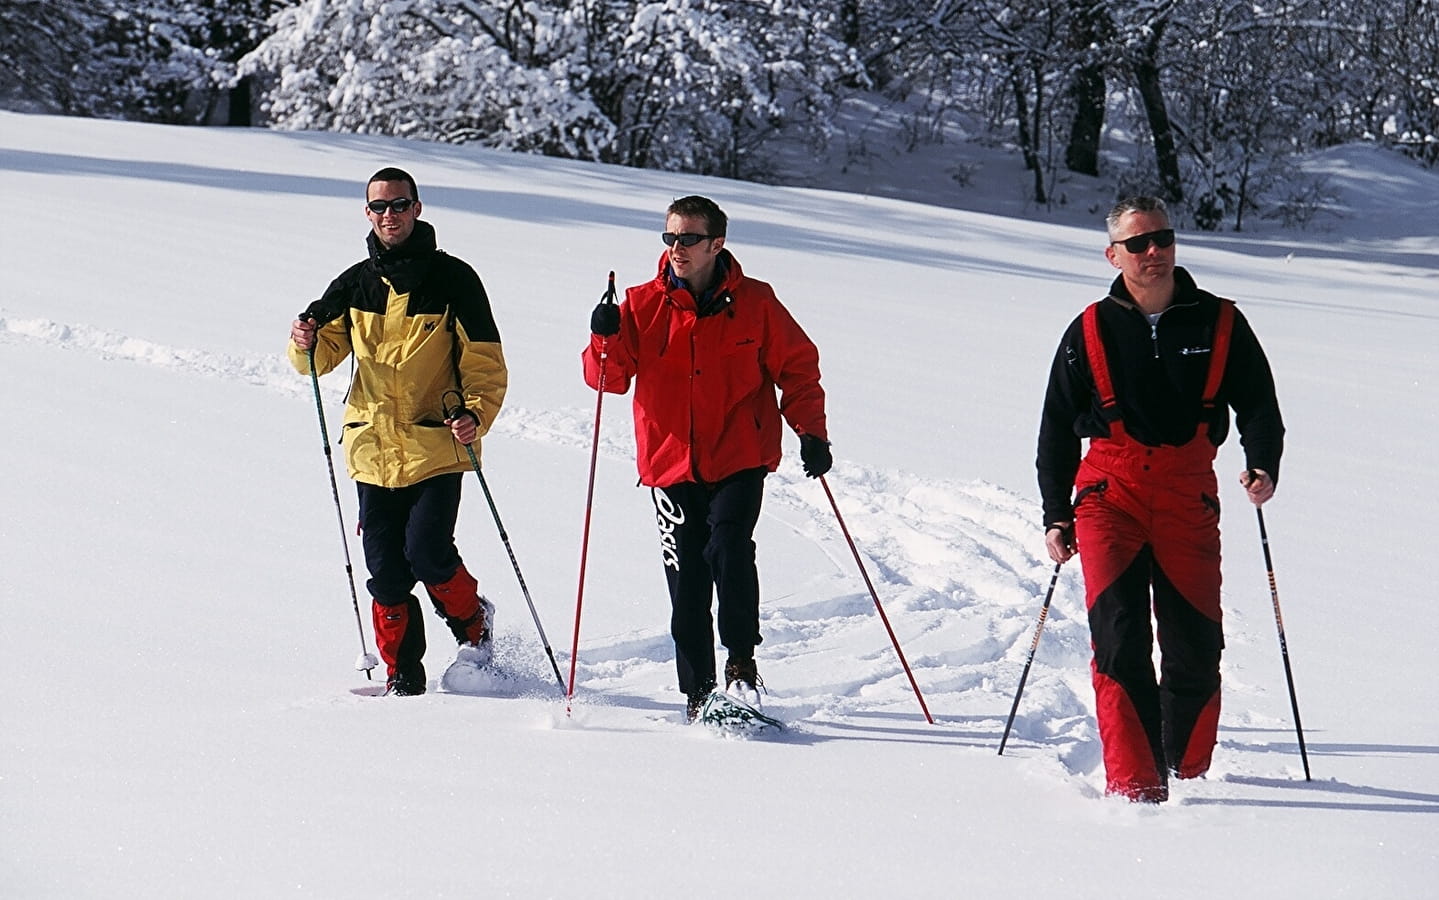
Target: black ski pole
(1283, 643)
(367, 660)
(1033, 646)
(450, 413)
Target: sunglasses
(399, 205)
(1140, 242)
(684, 240)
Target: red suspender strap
(1219, 353)
(1098, 362)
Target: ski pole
(1033, 646)
(450, 413)
(882, 617)
(367, 660)
(607, 297)
(1283, 643)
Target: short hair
(1134, 204)
(390, 173)
(694, 205)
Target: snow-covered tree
(697, 85)
(154, 60)
(46, 43)
(508, 75)
(1405, 34)
(693, 85)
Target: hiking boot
(693, 704)
(741, 679)
(406, 683)
(479, 649)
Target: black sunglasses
(1140, 242)
(399, 205)
(684, 240)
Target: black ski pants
(707, 541)
(409, 536)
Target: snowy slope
(181, 716)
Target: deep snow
(181, 718)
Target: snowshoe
(471, 672)
(733, 715)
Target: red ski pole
(882, 617)
(608, 297)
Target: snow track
(955, 564)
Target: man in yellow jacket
(429, 376)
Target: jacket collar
(404, 266)
(1186, 292)
(712, 301)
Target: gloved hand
(605, 320)
(814, 453)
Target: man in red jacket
(707, 347)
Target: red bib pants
(1147, 525)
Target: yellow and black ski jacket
(419, 324)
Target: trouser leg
(399, 628)
(384, 515)
(681, 512)
(1118, 563)
(1127, 702)
(408, 537)
(430, 549)
(730, 555)
(400, 637)
(1191, 635)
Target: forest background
(1209, 103)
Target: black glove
(321, 313)
(815, 455)
(605, 320)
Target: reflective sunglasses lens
(399, 205)
(685, 240)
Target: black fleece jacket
(1158, 373)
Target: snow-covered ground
(181, 715)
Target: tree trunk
(1087, 91)
(1166, 157)
(1081, 154)
(1028, 142)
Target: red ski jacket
(705, 404)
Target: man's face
(1152, 266)
(693, 264)
(392, 228)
